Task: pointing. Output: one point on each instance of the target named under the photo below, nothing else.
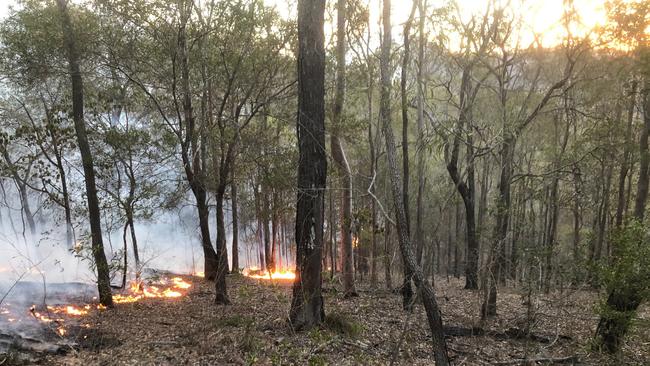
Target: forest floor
(369, 329)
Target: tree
(103, 280)
(408, 256)
(338, 154)
(307, 308)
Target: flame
(55, 316)
(180, 283)
(283, 274)
(138, 291)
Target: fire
(139, 291)
(283, 274)
(55, 316)
(69, 310)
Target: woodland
(345, 182)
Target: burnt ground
(359, 331)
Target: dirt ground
(371, 329)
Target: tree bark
(307, 308)
(103, 279)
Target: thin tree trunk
(622, 175)
(407, 289)
(338, 155)
(103, 279)
(419, 210)
(235, 223)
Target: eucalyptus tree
(307, 307)
(103, 280)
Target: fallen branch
(546, 360)
(510, 333)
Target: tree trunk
(307, 308)
(425, 289)
(388, 248)
(419, 210)
(407, 289)
(338, 155)
(268, 250)
(622, 175)
(103, 279)
(222, 257)
(496, 257)
(235, 223)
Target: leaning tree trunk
(425, 289)
(307, 308)
(103, 279)
(407, 289)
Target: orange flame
(57, 315)
(283, 274)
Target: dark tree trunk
(103, 279)
(222, 256)
(425, 289)
(307, 308)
